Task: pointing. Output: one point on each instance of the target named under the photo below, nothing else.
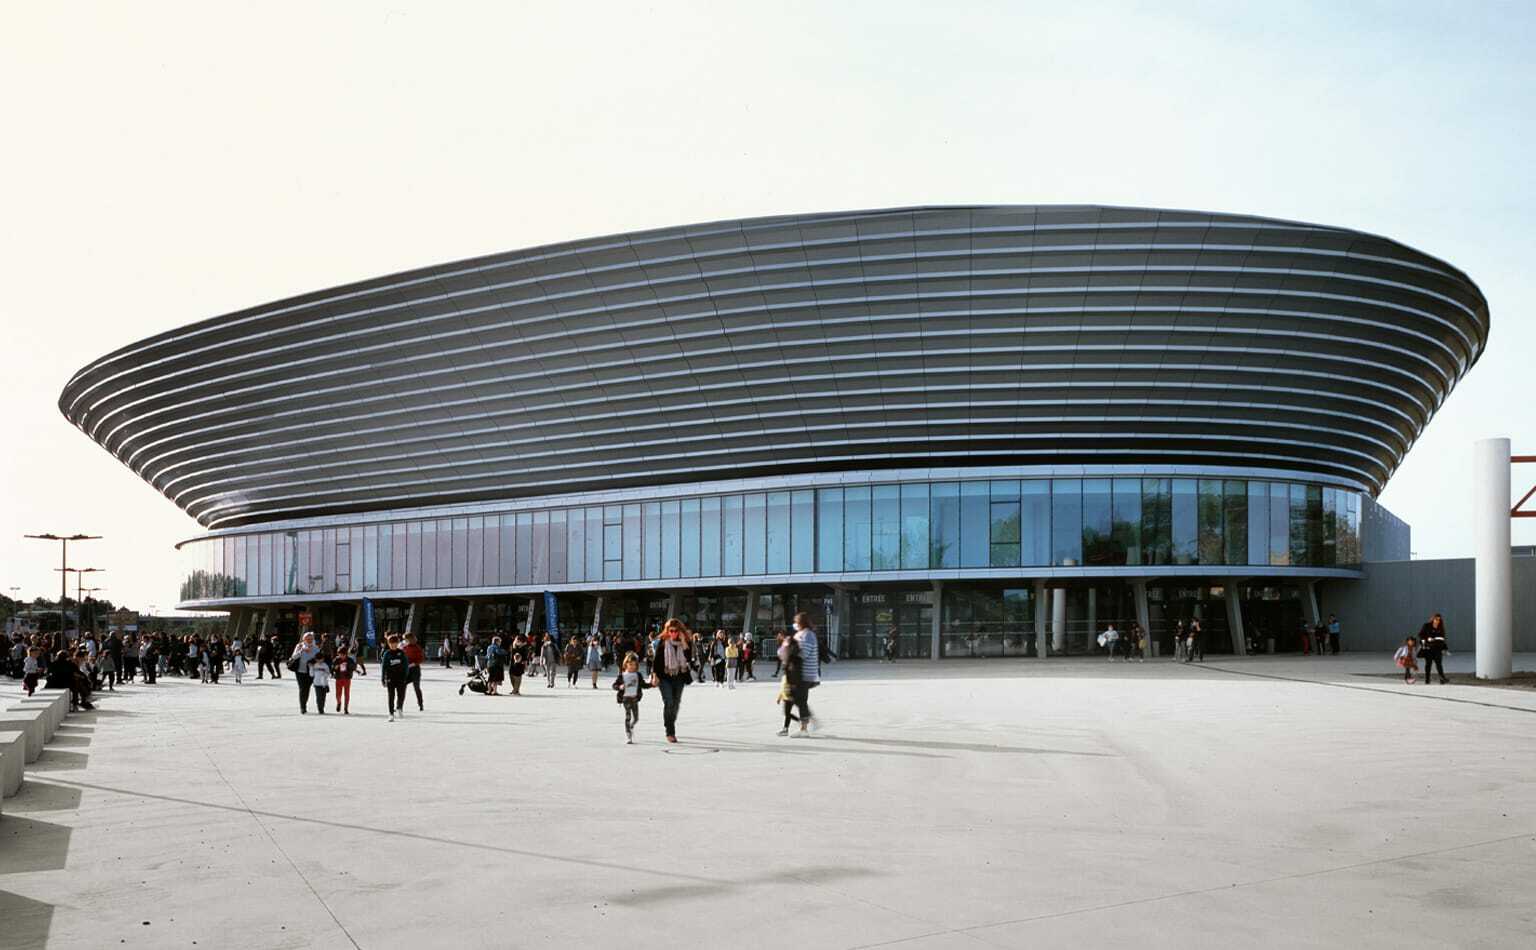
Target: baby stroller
(474, 681)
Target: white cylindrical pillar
(1059, 620)
(1495, 572)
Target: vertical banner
(368, 630)
(552, 616)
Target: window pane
(671, 539)
(1066, 522)
(412, 555)
(1258, 522)
(709, 537)
(541, 547)
(558, 536)
(1279, 524)
(328, 560)
(1004, 530)
(358, 547)
(975, 521)
(596, 544)
(914, 526)
(734, 546)
(458, 546)
(509, 551)
(524, 547)
(386, 574)
(1298, 495)
(944, 525)
(371, 557)
(1185, 522)
(302, 583)
(632, 542)
(1035, 522)
(754, 531)
(575, 546)
(689, 517)
(1098, 546)
(829, 524)
(858, 527)
(1157, 520)
(802, 532)
(475, 546)
(1209, 516)
(1235, 521)
(778, 532)
(651, 531)
(1126, 525)
(886, 547)
(402, 556)
(1314, 525)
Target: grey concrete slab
(1244, 802)
(31, 722)
(13, 756)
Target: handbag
(293, 664)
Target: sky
(169, 162)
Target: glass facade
(909, 526)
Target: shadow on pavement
(42, 796)
(644, 896)
(28, 845)
(57, 760)
(26, 921)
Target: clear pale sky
(169, 162)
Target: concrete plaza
(1062, 803)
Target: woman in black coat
(1432, 647)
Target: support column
(842, 616)
(1143, 614)
(674, 603)
(268, 622)
(1494, 570)
(1059, 620)
(236, 620)
(415, 618)
(533, 609)
(1042, 645)
(749, 618)
(356, 635)
(1235, 619)
(1309, 603)
(467, 631)
(936, 635)
(597, 617)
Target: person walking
(549, 655)
(572, 661)
(672, 672)
(237, 666)
(1334, 630)
(1433, 647)
(1110, 641)
(495, 666)
(445, 653)
(1196, 650)
(517, 664)
(717, 658)
(415, 656)
(31, 669)
(594, 659)
(106, 665)
(1178, 642)
(629, 687)
(342, 669)
(805, 675)
(304, 653)
(320, 677)
(394, 672)
(732, 664)
(1406, 659)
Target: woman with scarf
(672, 671)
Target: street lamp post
(80, 573)
(63, 565)
(87, 592)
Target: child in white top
(237, 664)
(629, 686)
(30, 668)
(1407, 658)
(320, 676)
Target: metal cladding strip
(804, 343)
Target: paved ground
(1066, 803)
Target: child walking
(30, 667)
(237, 665)
(320, 680)
(342, 672)
(786, 698)
(1407, 657)
(629, 687)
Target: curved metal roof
(873, 339)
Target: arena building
(989, 430)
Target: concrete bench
(54, 705)
(33, 722)
(13, 753)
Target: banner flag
(368, 630)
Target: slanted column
(1235, 620)
(1494, 584)
(674, 603)
(1309, 610)
(415, 618)
(356, 635)
(533, 609)
(750, 617)
(936, 634)
(237, 617)
(1143, 614)
(841, 618)
(597, 616)
(268, 622)
(1059, 620)
(1042, 645)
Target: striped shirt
(810, 656)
